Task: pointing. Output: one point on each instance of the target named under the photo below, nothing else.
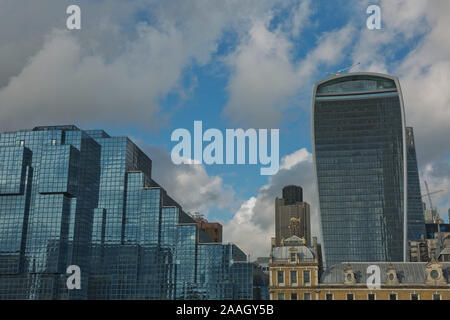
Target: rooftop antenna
(342, 70)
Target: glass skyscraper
(360, 156)
(416, 220)
(74, 197)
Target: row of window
(293, 277)
(351, 296)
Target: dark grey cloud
(127, 56)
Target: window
(293, 277)
(280, 276)
(307, 296)
(294, 296)
(281, 296)
(371, 296)
(350, 296)
(329, 296)
(434, 274)
(293, 256)
(414, 296)
(22, 143)
(393, 296)
(306, 276)
(53, 142)
(436, 296)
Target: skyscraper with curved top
(359, 149)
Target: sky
(144, 68)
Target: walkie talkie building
(359, 149)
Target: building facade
(296, 274)
(360, 158)
(74, 197)
(212, 229)
(292, 216)
(416, 220)
(399, 281)
(294, 270)
(261, 279)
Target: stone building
(294, 270)
(292, 215)
(296, 274)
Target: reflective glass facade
(416, 220)
(73, 197)
(358, 147)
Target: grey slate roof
(407, 273)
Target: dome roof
(284, 253)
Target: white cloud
(265, 76)
(252, 226)
(189, 184)
(114, 69)
(419, 27)
(437, 177)
(291, 160)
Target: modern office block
(292, 216)
(212, 229)
(292, 194)
(416, 221)
(360, 156)
(84, 198)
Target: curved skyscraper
(359, 149)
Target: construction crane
(428, 194)
(435, 217)
(434, 192)
(342, 70)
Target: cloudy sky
(145, 68)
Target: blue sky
(145, 68)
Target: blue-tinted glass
(69, 196)
(359, 165)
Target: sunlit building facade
(74, 197)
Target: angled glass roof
(356, 83)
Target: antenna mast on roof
(342, 70)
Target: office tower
(74, 197)
(359, 150)
(416, 221)
(292, 194)
(212, 229)
(292, 216)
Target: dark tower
(292, 194)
